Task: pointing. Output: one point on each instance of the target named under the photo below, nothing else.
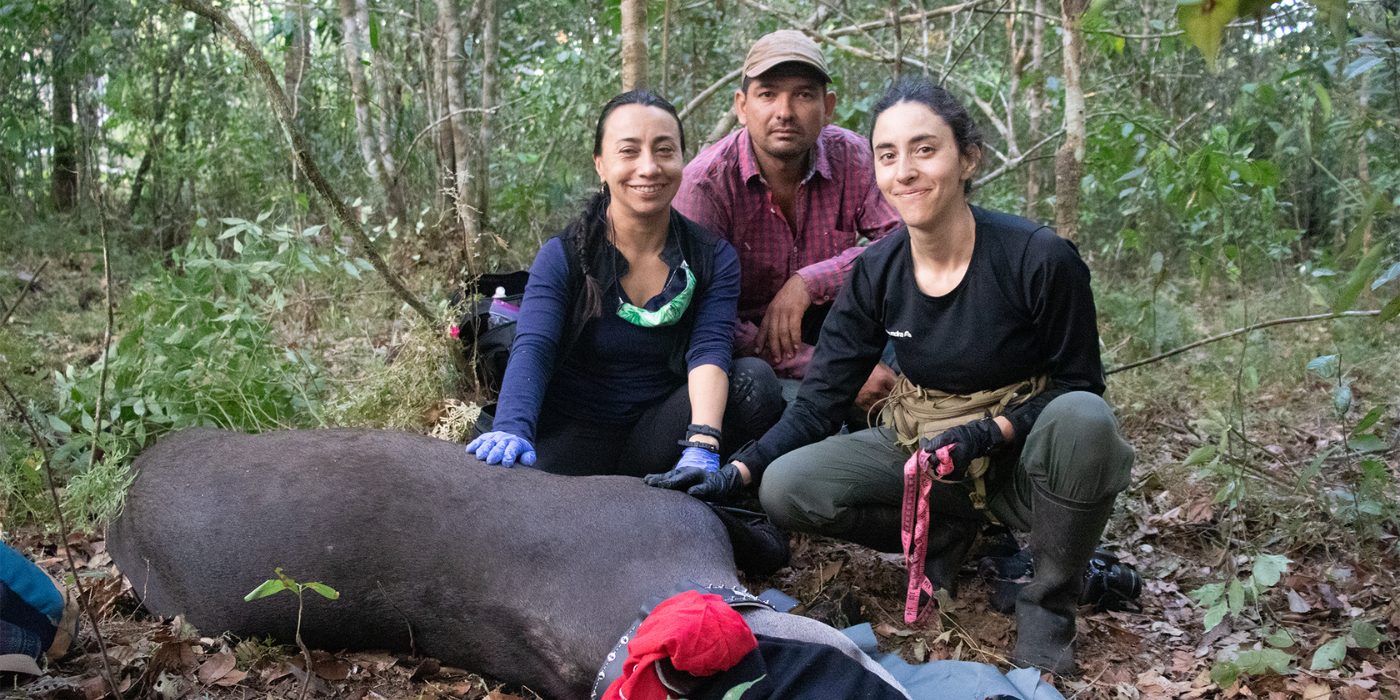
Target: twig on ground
(24, 293)
(67, 548)
(106, 334)
(1238, 331)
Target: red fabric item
(918, 481)
(701, 635)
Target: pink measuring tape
(919, 474)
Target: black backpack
(486, 344)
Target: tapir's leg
(776, 624)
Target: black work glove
(722, 485)
(969, 441)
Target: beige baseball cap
(781, 47)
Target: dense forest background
(253, 216)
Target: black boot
(760, 546)
(949, 542)
(1063, 537)
(877, 527)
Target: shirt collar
(748, 162)
(610, 259)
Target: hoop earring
(603, 189)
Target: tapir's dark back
(521, 575)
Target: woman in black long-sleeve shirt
(974, 301)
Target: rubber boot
(1063, 537)
(949, 541)
(877, 527)
(761, 548)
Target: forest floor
(1161, 652)
(1338, 590)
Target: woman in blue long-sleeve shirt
(622, 362)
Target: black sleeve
(1066, 324)
(852, 339)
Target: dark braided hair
(920, 90)
(591, 226)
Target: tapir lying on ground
(523, 576)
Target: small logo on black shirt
(899, 334)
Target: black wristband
(702, 445)
(697, 429)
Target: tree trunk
(446, 158)
(1035, 98)
(90, 138)
(160, 94)
(898, 39)
(1363, 159)
(721, 128)
(634, 44)
(1016, 54)
(283, 111)
(384, 120)
(490, 63)
(298, 54)
(1069, 159)
(294, 67)
(461, 148)
(365, 129)
(665, 45)
(64, 192)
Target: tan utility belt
(916, 412)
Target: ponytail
(590, 230)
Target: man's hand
(877, 388)
(781, 330)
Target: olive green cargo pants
(1074, 452)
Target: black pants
(579, 447)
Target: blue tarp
(954, 680)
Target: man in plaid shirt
(793, 195)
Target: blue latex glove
(500, 447)
(703, 479)
(698, 458)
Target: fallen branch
(1240, 331)
(303, 150)
(83, 602)
(23, 293)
